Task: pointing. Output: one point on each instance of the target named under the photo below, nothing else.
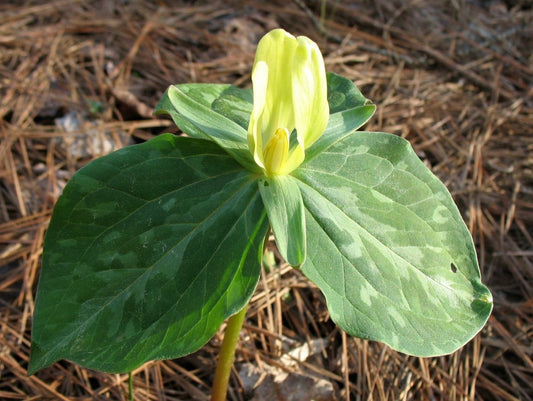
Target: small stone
(88, 138)
(276, 385)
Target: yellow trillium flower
(289, 98)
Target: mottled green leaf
(283, 201)
(148, 251)
(388, 247)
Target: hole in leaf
(453, 267)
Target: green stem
(130, 386)
(226, 356)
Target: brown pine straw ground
(454, 77)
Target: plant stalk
(227, 354)
(130, 386)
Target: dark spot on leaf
(453, 267)
(265, 183)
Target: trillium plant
(151, 248)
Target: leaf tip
(483, 301)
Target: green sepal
(283, 202)
(216, 112)
(222, 113)
(343, 94)
(349, 111)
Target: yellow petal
(255, 131)
(310, 92)
(289, 92)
